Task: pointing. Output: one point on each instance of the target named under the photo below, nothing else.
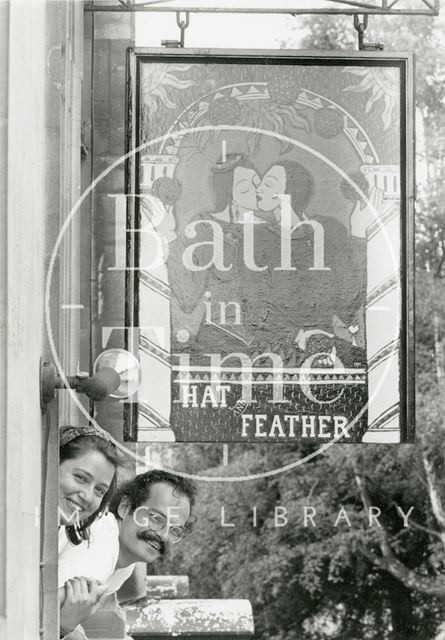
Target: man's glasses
(158, 522)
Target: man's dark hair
(222, 179)
(137, 490)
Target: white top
(95, 558)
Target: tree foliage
(315, 578)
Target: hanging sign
(269, 246)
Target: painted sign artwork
(269, 238)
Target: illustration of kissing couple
(273, 305)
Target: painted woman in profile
(311, 288)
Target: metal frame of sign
(337, 7)
(403, 62)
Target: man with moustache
(147, 515)
(153, 511)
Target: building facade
(49, 153)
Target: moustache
(149, 536)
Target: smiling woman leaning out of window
(87, 482)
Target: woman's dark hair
(137, 490)
(299, 184)
(74, 449)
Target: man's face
(245, 182)
(147, 533)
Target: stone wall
(40, 72)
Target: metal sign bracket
(182, 23)
(361, 28)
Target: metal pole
(360, 27)
(430, 10)
(182, 24)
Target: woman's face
(245, 182)
(272, 185)
(83, 482)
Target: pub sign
(269, 246)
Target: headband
(70, 433)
